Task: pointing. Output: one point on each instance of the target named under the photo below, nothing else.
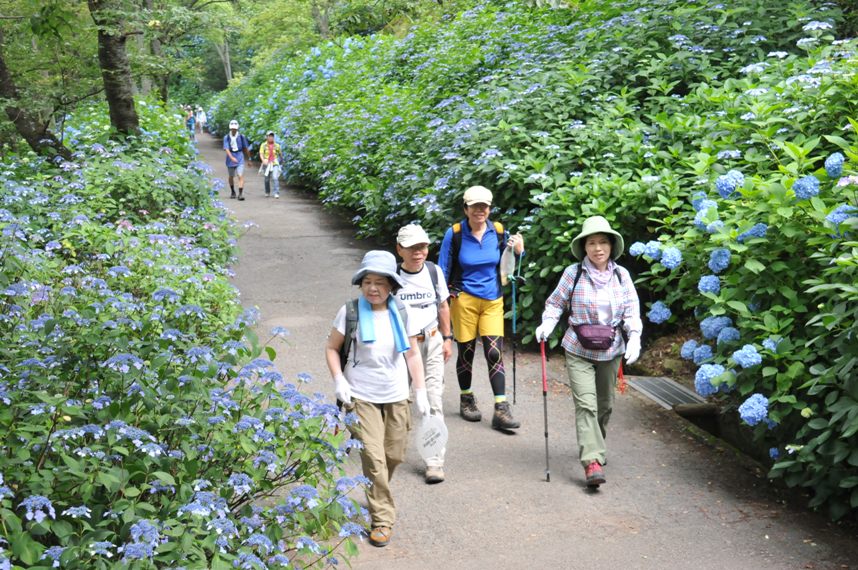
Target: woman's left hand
(516, 242)
(633, 349)
(422, 401)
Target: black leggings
(493, 351)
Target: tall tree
(115, 69)
(26, 121)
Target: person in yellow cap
(602, 304)
(470, 259)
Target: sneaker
(434, 475)
(502, 419)
(468, 408)
(595, 475)
(277, 195)
(268, 194)
(380, 536)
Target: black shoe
(232, 195)
(240, 195)
(468, 408)
(502, 419)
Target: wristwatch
(447, 337)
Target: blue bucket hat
(378, 262)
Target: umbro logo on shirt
(416, 296)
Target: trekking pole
(514, 279)
(545, 408)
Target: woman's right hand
(544, 330)
(342, 389)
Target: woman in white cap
(373, 380)
(237, 147)
(470, 259)
(602, 303)
(270, 155)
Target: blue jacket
(478, 261)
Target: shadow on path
(671, 501)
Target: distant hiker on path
(371, 350)
(425, 294)
(270, 156)
(237, 148)
(470, 259)
(201, 119)
(602, 303)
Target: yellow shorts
(473, 316)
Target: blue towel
(366, 324)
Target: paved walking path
(671, 501)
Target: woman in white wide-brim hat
(373, 381)
(602, 304)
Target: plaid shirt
(583, 309)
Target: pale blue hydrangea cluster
(719, 260)
(806, 187)
(772, 343)
(671, 258)
(747, 356)
(659, 313)
(688, 348)
(754, 410)
(728, 335)
(704, 376)
(702, 353)
(756, 231)
(834, 165)
(709, 284)
(728, 184)
(712, 326)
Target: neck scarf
(233, 142)
(600, 278)
(366, 323)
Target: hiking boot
(595, 475)
(380, 536)
(468, 408)
(502, 419)
(434, 475)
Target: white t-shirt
(376, 372)
(603, 305)
(418, 294)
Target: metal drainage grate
(664, 391)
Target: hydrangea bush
(142, 422)
(713, 135)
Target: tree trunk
(223, 53)
(322, 21)
(31, 129)
(115, 71)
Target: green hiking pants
(593, 384)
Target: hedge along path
(671, 500)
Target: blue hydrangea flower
(637, 248)
(702, 353)
(697, 200)
(774, 453)
(806, 187)
(38, 508)
(754, 410)
(712, 326)
(653, 250)
(747, 356)
(772, 343)
(756, 231)
(719, 260)
(704, 376)
(840, 214)
(709, 284)
(659, 313)
(101, 548)
(727, 184)
(144, 531)
(728, 334)
(688, 348)
(78, 512)
(834, 165)
(54, 554)
(671, 258)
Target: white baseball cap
(478, 195)
(233, 124)
(412, 234)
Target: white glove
(342, 389)
(633, 349)
(422, 401)
(544, 330)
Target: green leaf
(164, 477)
(754, 266)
